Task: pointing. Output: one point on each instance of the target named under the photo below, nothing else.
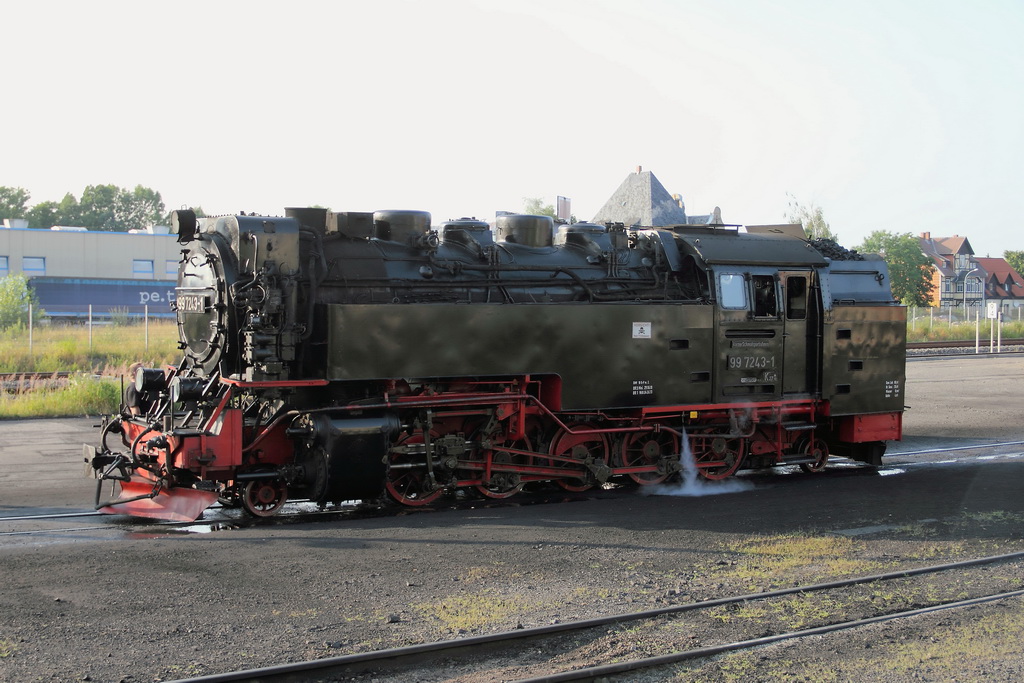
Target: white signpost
(993, 315)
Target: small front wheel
(264, 497)
(816, 449)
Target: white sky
(900, 115)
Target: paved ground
(965, 397)
(41, 463)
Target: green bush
(15, 298)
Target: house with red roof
(1002, 282)
(962, 279)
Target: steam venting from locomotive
(692, 485)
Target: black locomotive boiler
(337, 356)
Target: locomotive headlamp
(186, 389)
(184, 225)
(149, 379)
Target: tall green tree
(15, 297)
(910, 270)
(812, 218)
(138, 209)
(13, 202)
(1015, 259)
(96, 210)
(70, 212)
(44, 215)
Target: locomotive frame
(338, 356)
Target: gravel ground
(131, 601)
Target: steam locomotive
(337, 356)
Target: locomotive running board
(173, 505)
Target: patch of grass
(473, 612)
(794, 611)
(995, 517)
(481, 574)
(792, 557)
(939, 551)
(739, 611)
(7, 647)
(82, 396)
(939, 329)
(735, 667)
(68, 348)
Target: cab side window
(796, 298)
(732, 291)
(765, 301)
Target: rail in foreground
(601, 672)
(472, 649)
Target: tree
(1015, 259)
(70, 212)
(15, 297)
(13, 202)
(96, 210)
(812, 218)
(47, 214)
(102, 207)
(138, 209)
(910, 270)
(535, 206)
(44, 215)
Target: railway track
(963, 343)
(15, 382)
(945, 349)
(544, 653)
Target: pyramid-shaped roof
(641, 200)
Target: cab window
(796, 298)
(765, 301)
(732, 291)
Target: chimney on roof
(926, 235)
(639, 169)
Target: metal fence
(92, 320)
(930, 316)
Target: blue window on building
(142, 268)
(3, 266)
(171, 267)
(33, 265)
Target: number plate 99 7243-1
(190, 303)
(751, 362)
